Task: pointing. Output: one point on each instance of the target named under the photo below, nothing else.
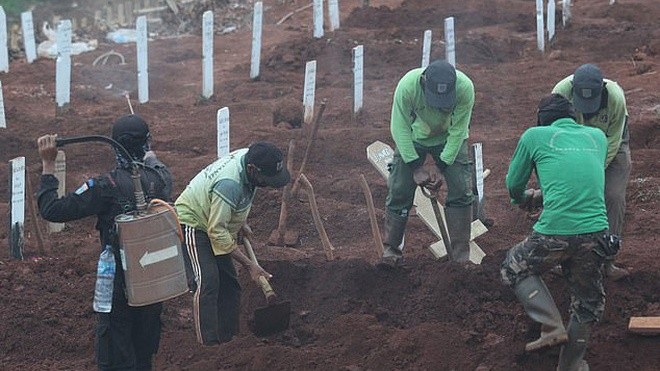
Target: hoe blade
(272, 318)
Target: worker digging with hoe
(569, 162)
(601, 103)
(431, 114)
(213, 210)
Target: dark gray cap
(587, 88)
(269, 161)
(440, 85)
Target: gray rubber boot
(393, 241)
(572, 354)
(459, 223)
(540, 306)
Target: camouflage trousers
(581, 267)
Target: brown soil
(347, 314)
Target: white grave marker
(479, 169)
(309, 91)
(426, 48)
(28, 36)
(540, 37)
(612, 2)
(333, 12)
(17, 202)
(565, 12)
(207, 54)
(318, 18)
(222, 121)
(3, 122)
(358, 78)
(142, 59)
(551, 20)
(60, 174)
(450, 43)
(4, 54)
(63, 64)
(257, 20)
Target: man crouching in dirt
(127, 337)
(213, 210)
(430, 116)
(569, 161)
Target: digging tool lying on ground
(442, 225)
(275, 316)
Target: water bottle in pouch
(105, 275)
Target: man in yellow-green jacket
(213, 209)
(601, 103)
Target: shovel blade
(272, 318)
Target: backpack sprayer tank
(150, 240)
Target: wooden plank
(644, 325)
(380, 154)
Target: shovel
(439, 218)
(274, 317)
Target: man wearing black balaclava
(127, 337)
(569, 162)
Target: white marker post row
(257, 19)
(222, 123)
(450, 43)
(28, 37)
(63, 64)
(207, 54)
(358, 78)
(142, 59)
(17, 204)
(426, 48)
(318, 18)
(4, 53)
(309, 91)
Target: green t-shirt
(413, 121)
(569, 160)
(611, 119)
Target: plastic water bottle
(105, 275)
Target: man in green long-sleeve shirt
(569, 162)
(601, 103)
(431, 114)
(213, 210)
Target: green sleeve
(220, 214)
(617, 114)
(401, 123)
(460, 122)
(565, 88)
(520, 169)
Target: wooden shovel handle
(266, 288)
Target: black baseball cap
(131, 131)
(554, 107)
(440, 85)
(587, 88)
(269, 161)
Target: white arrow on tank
(158, 256)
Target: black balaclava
(132, 132)
(554, 107)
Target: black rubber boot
(459, 223)
(540, 306)
(571, 356)
(393, 240)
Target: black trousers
(127, 338)
(217, 292)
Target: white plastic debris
(48, 48)
(122, 36)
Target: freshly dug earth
(346, 314)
